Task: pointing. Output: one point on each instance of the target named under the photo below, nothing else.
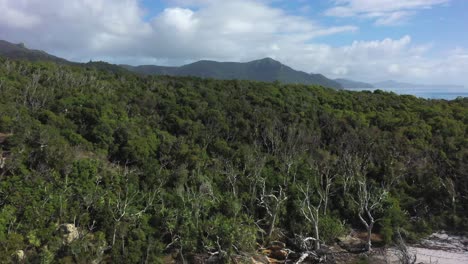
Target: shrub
(331, 228)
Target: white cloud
(119, 31)
(384, 12)
(75, 29)
(231, 30)
(180, 19)
(84, 29)
(378, 60)
(394, 18)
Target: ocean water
(427, 93)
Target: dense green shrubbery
(144, 166)
(331, 227)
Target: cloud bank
(384, 12)
(122, 31)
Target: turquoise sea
(428, 93)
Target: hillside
(266, 70)
(353, 84)
(99, 166)
(19, 51)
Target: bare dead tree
(2, 160)
(351, 165)
(347, 169)
(119, 208)
(325, 165)
(253, 165)
(125, 206)
(311, 212)
(404, 256)
(293, 146)
(369, 200)
(34, 95)
(449, 185)
(232, 174)
(271, 135)
(194, 200)
(272, 202)
(30, 89)
(357, 154)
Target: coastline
(425, 93)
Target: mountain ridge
(347, 83)
(19, 51)
(266, 70)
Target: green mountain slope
(266, 70)
(19, 51)
(353, 84)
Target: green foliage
(362, 260)
(231, 234)
(7, 216)
(10, 245)
(33, 240)
(330, 228)
(146, 166)
(393, 219)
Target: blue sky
(421, 41)
(443, 25)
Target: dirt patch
(375, 238)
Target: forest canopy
(120, 168)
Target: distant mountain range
(347, 84)
(403, 85)
(265, 70)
